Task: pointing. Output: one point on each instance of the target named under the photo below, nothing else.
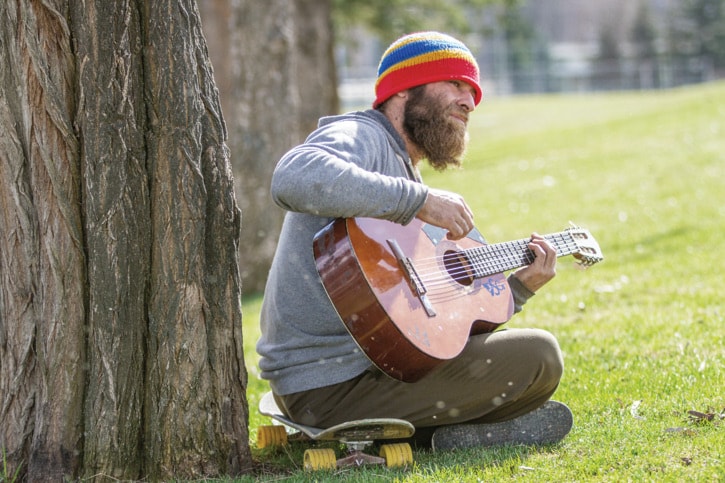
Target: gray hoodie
(353, 165)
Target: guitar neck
(499, 257)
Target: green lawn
(642, 332)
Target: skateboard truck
(356, 456)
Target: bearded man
(366, 165)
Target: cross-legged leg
(497, 377)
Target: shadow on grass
(286, 464)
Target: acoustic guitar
(410, 297)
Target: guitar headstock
(587, 250)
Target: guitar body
(403, 332)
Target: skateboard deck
(350, 431)
(355, 435)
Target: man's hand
(542, 269)
(449, 211)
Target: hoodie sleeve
(347, 169)
(520, 293)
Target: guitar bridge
(414, 280)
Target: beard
(427, 123)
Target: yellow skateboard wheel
(397, 454)
(274, 435)
(320, 459)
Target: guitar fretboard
(496, 258)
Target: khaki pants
(498, 376)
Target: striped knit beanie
(421, 58)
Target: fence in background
(559, 76)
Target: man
(365, 164)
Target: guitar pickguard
(437, 234)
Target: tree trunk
(120, 318)
(316, 75)
(276, 75)
(263, 108)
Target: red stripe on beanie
(435, 71)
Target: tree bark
(111, 122)
(196, 412)
(120, 317)
(43, 299)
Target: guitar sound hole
(458, 267)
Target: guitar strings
(513, 251)
(478, 262)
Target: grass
(642, 332)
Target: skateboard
(356, 436)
